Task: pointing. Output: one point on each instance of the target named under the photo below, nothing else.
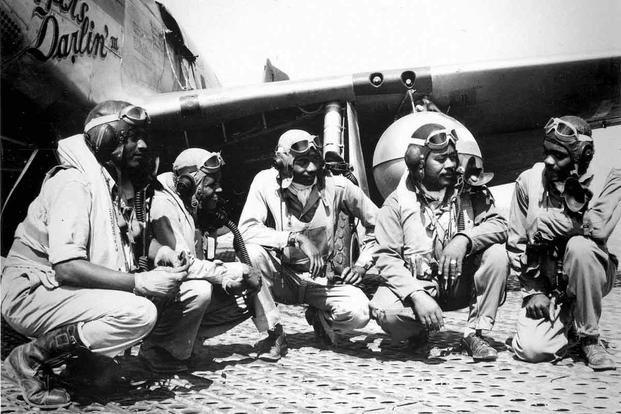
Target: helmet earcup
(415, 161)
(104, 142)
(283, 162)
(186, 187)
(278, 162)
(586, 152)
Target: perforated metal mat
(366, 372)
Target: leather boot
(478, 348)
(323, 332)
(273, 347)
(596, 355)
(29, 365)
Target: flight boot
(418, 344)
(478, 348)
(273, 347)
(323, 331)
(159, 361)
(597, 357)
(29, 366)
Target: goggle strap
(124, 115)
(580, 137)
(209, 170)
(186, 170)
(100, 121)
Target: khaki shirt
(408, 225)
(534, 198)
(166, 203)
(267, 219)
(59, 225)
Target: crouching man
(206, 299)
(67, 281)
(565, 268)
(440, 246)
(289, 223)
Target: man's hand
(538, 307)
(249, 282)
(160, 282)
(252, 279)
(166, 256)
(313, 254)
(427, 311)
(450, 263)
(353, 275)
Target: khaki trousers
(342, 306)
(109, 321)
(201, 311)
(481, 287)
(591, 272)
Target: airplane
(62, 57)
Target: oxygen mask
(471, 171)
(575, 194)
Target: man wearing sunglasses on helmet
(564, 267)
(206, 296)
(440, 245)
(289, 222)
(69, 280)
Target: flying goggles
(438, 139)
(212, 164)
(564, 131)
(131, 115)
(304, 146)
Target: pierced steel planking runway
(368, 373)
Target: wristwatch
(369, 265)
(292, 241)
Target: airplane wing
(488, 97)
(502, 103)
(497, 101)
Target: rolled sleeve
(68, 217)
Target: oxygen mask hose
(459, 190)
(139, 208)
(218, 218)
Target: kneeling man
(289, 222)
(440, 246)
(565, 268)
